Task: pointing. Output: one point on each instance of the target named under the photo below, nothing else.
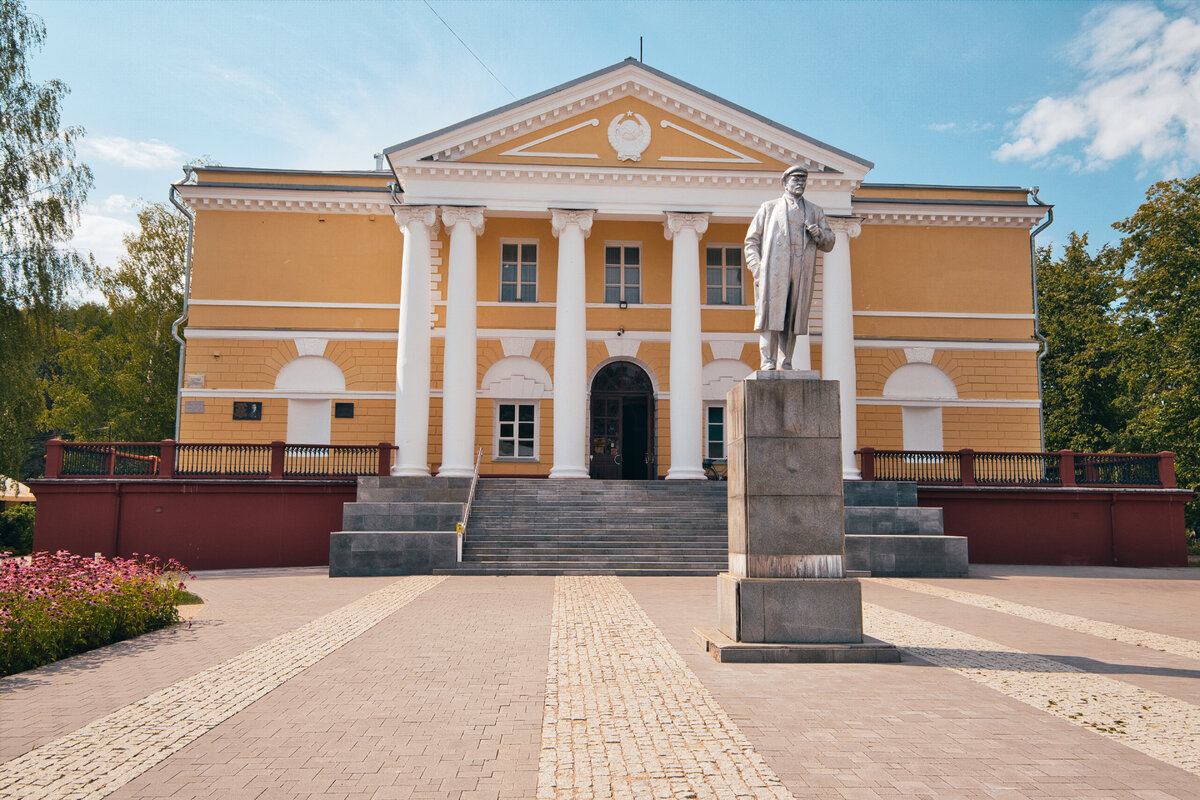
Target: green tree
(1162, 323)
(116, 367)
(1082, 386)
(41, 192)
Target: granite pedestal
(786, 585)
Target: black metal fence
(1064, 468)
(169, 459)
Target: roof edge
(651, 70)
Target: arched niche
(309, 416)
(516, 378)
(920, 390)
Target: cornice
(948, 214)
(610, 176)
(284, 199)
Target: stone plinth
(786, 582)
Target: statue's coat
(769, 259)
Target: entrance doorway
(622, 432)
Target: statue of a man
(781, 254)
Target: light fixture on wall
(621, 331)
(622, 304)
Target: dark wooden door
(606, 437)
(621, 441)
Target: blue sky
(1091, 102)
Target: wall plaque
(247, 409)
(343, 410)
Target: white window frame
(519, 283)
(625, 285)
(516, 438)
(724, 287)
(724, 433)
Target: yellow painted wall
(941, 268)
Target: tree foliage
(1162, 323)
(1081, 374)
(116, 366)
(41, 191)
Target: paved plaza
(1016, 682)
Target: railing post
(166, 459)
(1166, 469)
(1066, 468)
(867, 468)
(277, 453)
(966, 466)
(385, 459)
(54, 458)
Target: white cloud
(102, 236)
(150, 154)
(1139, 94)
(973, 126)
(117, 204)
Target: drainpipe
(1033, 195)
(188, 173)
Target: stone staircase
(402, 526)
(399, 526)
(538, 527)
(890, 537)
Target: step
(884, 520)
(879, 493)
(401, 516)
(908, 556)
(372, 553)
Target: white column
(418, 223)
(687, 421)
(459, 360)
(570, 345)
(837, 337)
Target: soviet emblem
(629, 135)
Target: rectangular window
(518, 272)
(622, 273)
(714, 432)
(516, 432)
(723, 276)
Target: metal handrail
(462, 526)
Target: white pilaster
(459, 361)
(687, 420)
(837, 337)
(570, 345)
(418, 223)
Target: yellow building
(558, 283)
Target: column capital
(471, 215)
(851, 226)
(560, 218)
(416, 215)
(677, 221)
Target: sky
(1091, 102)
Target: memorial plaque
(247, 409)
(343, 410)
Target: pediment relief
(628, 116)
(627, 132)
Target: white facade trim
(497, 334)
(963, 402)
(287, 200)
(942, 315)
(901, 213)
(297, 394)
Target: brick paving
(464, 691)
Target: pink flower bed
(53, 605)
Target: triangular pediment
(628, 116)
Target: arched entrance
(622, 433)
